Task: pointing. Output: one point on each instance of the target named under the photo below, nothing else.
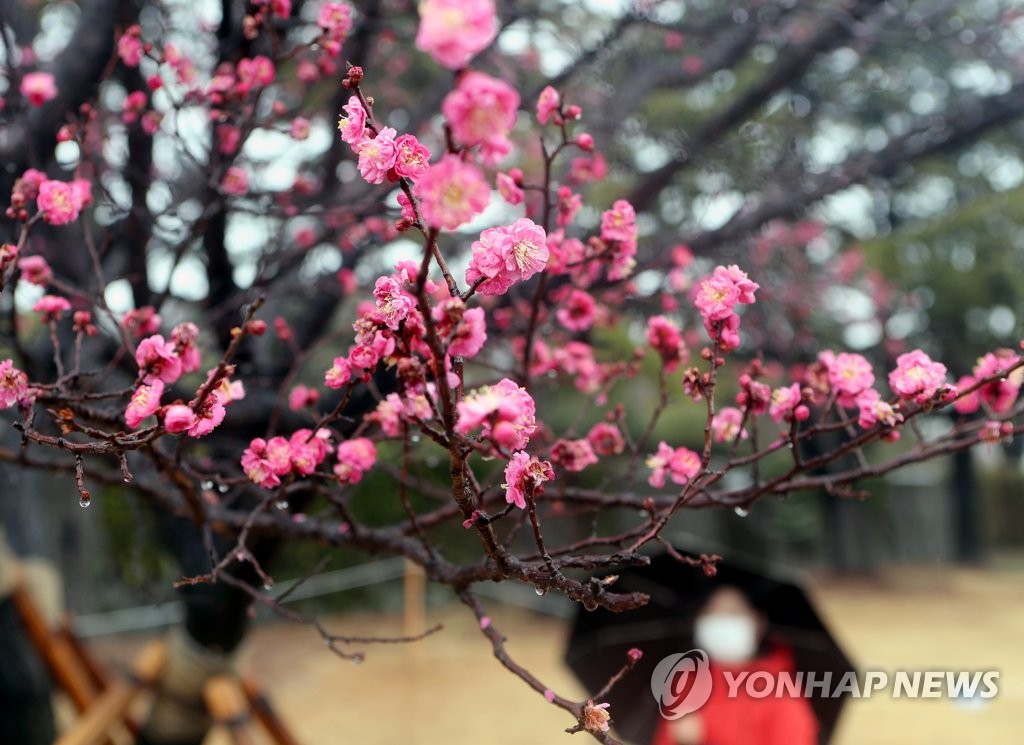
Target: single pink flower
(257, 72)
(129, 46)
(873, 409)
(299, 129)
(51, 307)
(335, 19)
(548, 103)
(917, 376)
(726, 425)
(257, 466)
(452, 193)
(596, 717)
(525, 476)
(680, 464)
(505, 255)
(144, 402)
(666, 339)
(573, 455)
(302, 396)
(355, 458)
(454, 31)
(183, 337)
(157, 360)
(1002, 392)
(505, 411)
(784, 402)
(481, 110)
(353, 126)
(412, 158)
(339, 375)
(59, 202)
(577, 312)
(235, 182)
(38, 88)
(208, 418)
(142, 321)
(466, 329)
(619, 223)
(848, 374)
(35, 270)
(377, 155)
(394, 303)
(13, 384)
(509, 189)
(606, 439)
(178, 418)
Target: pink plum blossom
(785, 403)
(339, 375)
(178, 418)
(208, 417)
(596, 717)
(61, 202)
(577, 311)
(525, 476)
(355, 458)
(680, 464)
(548, 103)
(377, 155)
(183, 337)
(573, 455)
(509, 189)
(13, 384)
(505, 255)
(393, 302)
(38, 88)
(236, 181)
(51, 307)
(664, 336)
(257, 466)
(874, 409)
(144, 402)
(848, 374)
(353, 126)
(454, 31)
(481, 110)
(412, 158)
(452, 193)
(35, 270)
(505, 411)
(726, 425)
(606, 439)
(917, 376)
(1001, 393)
(157, 360)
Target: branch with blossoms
(506, 291)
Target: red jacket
(744, 720)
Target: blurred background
(862, 160)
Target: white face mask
(728, 638)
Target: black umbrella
(600, 639)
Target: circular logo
(681, 683)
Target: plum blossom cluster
(504, 412)
(58, 202)
(716, 298)
(162, 362)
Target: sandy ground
(449, 689)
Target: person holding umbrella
(734, 634)
(745, 615)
